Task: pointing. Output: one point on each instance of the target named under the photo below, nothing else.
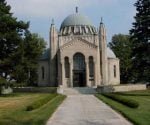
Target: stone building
(78, 56)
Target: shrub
(128, 102)
(3, 81)
(40, 102)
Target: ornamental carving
(78, 41)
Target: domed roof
(77, 24)
(76, 20)
(110, 53)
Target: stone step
(79, 90)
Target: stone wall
(121, 88)
(129, 87)
(36, 89)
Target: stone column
(59, 74)
(63, 73)
(71, 72)
(87, 72)
(95, 73)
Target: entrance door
(79, 79)
(79, 70)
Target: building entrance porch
(78, 71)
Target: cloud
(54, 8)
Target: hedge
(40, 102)
(125, 101)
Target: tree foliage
(11, 32)
(27, 58)
(121, 46)
(20, 49)
(140, 35)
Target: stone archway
(79, 72)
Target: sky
(118, 15)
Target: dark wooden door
(79, 79)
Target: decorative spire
(101, 20)
(76, 9)
(52, 21)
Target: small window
(43, 73)
(67, 67)
(91, 66)
(114, 71)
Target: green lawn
(13, 108)
(139, 116)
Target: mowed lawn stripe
(17, 115)
(139, 116)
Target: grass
(138, 116)
(41, 102)
(13, 108)
(121, 99)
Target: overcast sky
(117, 14)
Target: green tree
(121, 46)
(20, 50)
(27, 58)
(140, 35)
(11, 33)
(34, 46)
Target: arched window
(43, 72)
(79, 61)
(91, 66)
(67, 67)
(114, 71)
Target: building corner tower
(103, 54)
(53, 42)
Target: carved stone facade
(78, 56)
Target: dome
(77, 24)
(110, 53)
(76, 20)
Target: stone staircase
(79, 90)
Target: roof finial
(76, 9)
(52, 21)
(101, 20)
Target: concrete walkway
(85, 110)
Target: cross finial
(76, 9)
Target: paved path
(85, 110)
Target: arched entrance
(79, 67)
